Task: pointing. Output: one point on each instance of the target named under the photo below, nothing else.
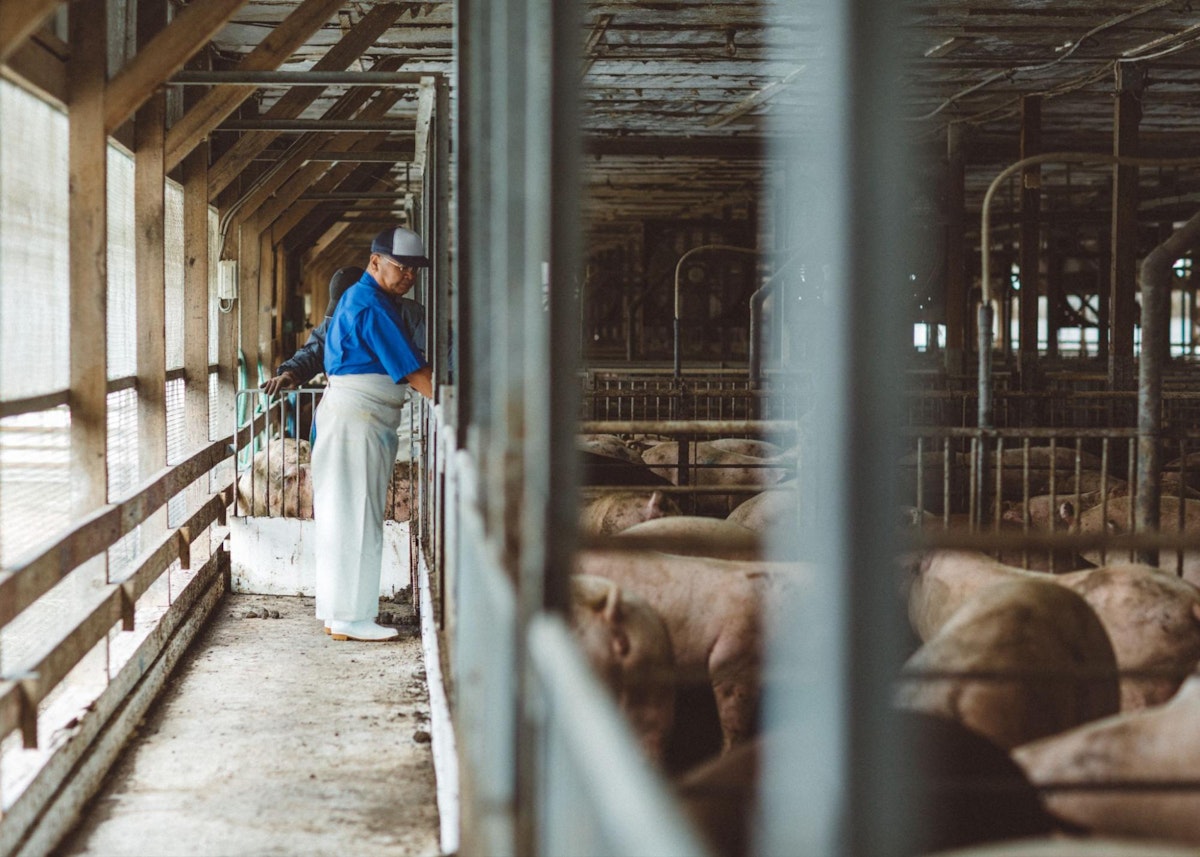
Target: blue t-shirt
(367, 336)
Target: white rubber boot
(365, 631)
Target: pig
(609, 445)
(619, 510)
(1062, 459)
(279, 480)
(1012, 483)
(1152, 618)
(778, 507)
(1056, 561)
(606, 470)
(693, 535)
(964, 788)
(1158, 744)
(1115, 518)
(628, 645)
(1020, 627)
(714, 611)
(717, 467)
(743, 446)
(1058, 845)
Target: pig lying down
(693, 535)
(1158, 745)
(1046, 637)
(619, 510)
(1152, 618)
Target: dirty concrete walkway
(272, 739)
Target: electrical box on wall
(227, 280)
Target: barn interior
(751, 276)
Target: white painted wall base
(274, 556)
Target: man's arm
(422, 381)
(303, 366)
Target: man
(309, 359)
(369, 360)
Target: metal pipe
(346, 196)
(305, 125)
(389, 157)
(1155, 278)
(678, 298)
(756, 304)
(299, 78)
(1097, 158)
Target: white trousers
(351, 465)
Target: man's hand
(283, 381)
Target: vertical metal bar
(832, 784)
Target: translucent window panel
(35, 480)
(34, 274)
(122, 283)
(173, 240)
(122, 443)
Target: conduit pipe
(1156, 272)
(986, 315)
(756, 308)
(679, 298)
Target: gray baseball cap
(402, 246)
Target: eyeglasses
(404, 269)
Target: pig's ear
(1066, 512)
(612, 604)
(654, 505)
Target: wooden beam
(309, 178)
(20, 19)
(87, 232)
(295, 100)
(1123, 311)
(33, 575)
(38, 68)
(301, 153)
(425, 99)
(956, 303)
(149, 253)
(218, 104)
(195, 296)
(266, 299)
(291, 215)
(248, 268)
(163, 55)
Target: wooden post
(955, 301)
(266, 297)
(87, 250)
(1054, 296)
(248, 266)
(1030, 242)
(149, 212)
(195, 314)
(1123, 310)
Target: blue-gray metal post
(833, 778)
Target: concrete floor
(272, 739)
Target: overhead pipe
(199, 77)
(986, 315)
(679, 298)
(1155, 275)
